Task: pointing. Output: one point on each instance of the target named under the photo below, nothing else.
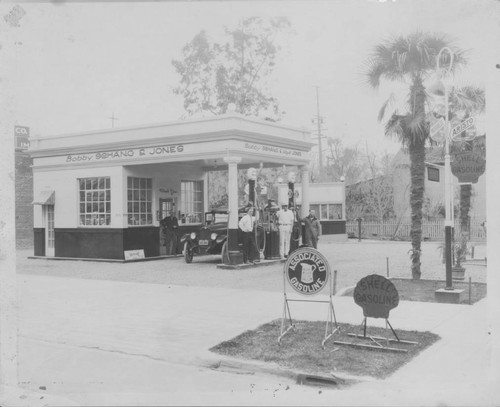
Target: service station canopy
(202, 143)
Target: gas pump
(272, 246)
(296, 228)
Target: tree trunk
(417, 177)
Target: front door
(166, 205)
(48, 215)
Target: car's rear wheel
(188, 252)
(225, 253)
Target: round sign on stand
(307, 271)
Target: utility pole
(319, 120)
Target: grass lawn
(301, 349)
(423, 290)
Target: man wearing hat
(285, 220)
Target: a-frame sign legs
(331, 319)
(286, 317)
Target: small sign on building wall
(21, 136)
(134, 254)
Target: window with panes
(95, 201)
(139, 201)
(327, 211)
(192, 201)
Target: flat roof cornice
(186, 131)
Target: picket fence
(431, 229)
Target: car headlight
(192, 235)
(213, 236)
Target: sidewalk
(101, 342)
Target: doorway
(48, 216)
(165, 205)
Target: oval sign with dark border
(307, 271)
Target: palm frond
(468, 98)
(387, 105)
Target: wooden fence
(431, 230)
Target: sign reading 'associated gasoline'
(307, 271)
(376, 295)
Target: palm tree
(411, 59)
(465, 102)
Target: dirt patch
(423, 290)
(301, 349)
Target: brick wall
(24, 197)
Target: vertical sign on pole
(21, 136)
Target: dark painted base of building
(107, 243)
(100, 243)
(333, 227)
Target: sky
(69, 66)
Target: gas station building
(98, 194)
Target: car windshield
(216, 217)
(220, 217)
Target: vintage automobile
(211, 238)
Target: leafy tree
(235, 70)
(411, 60)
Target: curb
(247, 266)
(239, 366)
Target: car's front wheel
(188, 252)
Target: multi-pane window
(95, 201)
(139, 201)
(192, 201)
(327, 211)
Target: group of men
(286, 220)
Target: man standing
(171, 227)
(246, 225)
(296, 230)
(285, 220)
(312, 229)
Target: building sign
(21, 136)
(111, 155)
(307, 271)
(468, 166)
(263, 148)
(376, 295)
(134, 254)
(433, 174)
